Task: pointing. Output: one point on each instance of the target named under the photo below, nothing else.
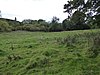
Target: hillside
(50, 53)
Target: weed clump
(68, 41)
(13, 57)
(94, 49)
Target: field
(50, 53)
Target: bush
(4, 26)
(55, 27)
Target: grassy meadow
(50, 53)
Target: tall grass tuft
(94, 48)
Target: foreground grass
(45, 53)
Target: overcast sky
(33, 9)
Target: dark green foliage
(76, 22)
(55, 27)
(67, 25)
(84, 13)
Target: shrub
(55, 27)
(4, 26)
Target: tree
(54, 25)
(15, 19)
(87, 12)
(43, 25)
(27, 21)
(78, 20)
(55, 20)
(67, 24)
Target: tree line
(82, 15)
(30, 25)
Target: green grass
(50, 53)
